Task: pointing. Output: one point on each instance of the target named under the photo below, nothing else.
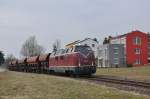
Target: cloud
(68, 20)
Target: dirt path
(3, 68)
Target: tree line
(29, 48)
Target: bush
(129, 65)
(1, 58)
(116, 66)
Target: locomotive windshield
(83, 49)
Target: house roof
(72, 43)
(87, 39)
(80, 41)
(120, 36)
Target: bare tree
(31, 47)
(57, 45)
(9, 58)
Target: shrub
(129, 65)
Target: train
(76, 61)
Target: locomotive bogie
(75, 70)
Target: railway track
(122, 81)
(123, 84)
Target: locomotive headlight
(79, 64)
(92, 63)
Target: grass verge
(15, 85)
(140, 73)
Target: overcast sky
(68, 20)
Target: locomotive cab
(85, 60)
(85, 56)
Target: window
(83, 49)
(115, 60)
(137, 51)
(116, 56)
(61, 57)
(137, 41)
(56, 58)
(93, 45)
(100, 53)
(105, 52)
(67, 50)
(137, 61)
(85, 44)
(70, 50)
(115, 41)
(116, 51)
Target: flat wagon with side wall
(13, 65)
(33, 64)
(22, 65)
(44, 63)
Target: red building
(135, 46)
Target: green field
(15, 85)
(140, 73)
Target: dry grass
(140, 73)
(14, 85)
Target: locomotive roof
(58, 52)
(44, 57)
(32, 59)
(66, 50)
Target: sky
(68, 20)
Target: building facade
(135, 45)
(111, 55)
(148, 48)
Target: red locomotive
(78, 60)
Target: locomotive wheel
(76, 75)
(89, 75)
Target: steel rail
(122, 81)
